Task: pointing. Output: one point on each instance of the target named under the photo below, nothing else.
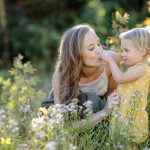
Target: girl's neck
(144, 60)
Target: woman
(80, 72)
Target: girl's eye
(99, 44)
(126, 50)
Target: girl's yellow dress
(133, 104)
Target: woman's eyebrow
(90, 45)
(98, 40)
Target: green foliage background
(33, 28)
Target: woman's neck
(89, 74)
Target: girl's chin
(127, 64)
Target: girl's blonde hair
(140, 38)
(70, 61)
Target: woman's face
(92, 49)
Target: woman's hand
(113, 100)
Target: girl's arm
(55, 84)
(111, 82)
(133, 73)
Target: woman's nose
(99, 50)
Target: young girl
(135, 45)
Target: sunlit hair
(70, 61)
(140, 38)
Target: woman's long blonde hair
(70, 62)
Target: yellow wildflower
(13, 89)
(5, 141)
(10, 105)
(7, 83)
(8, 141)
(44, 111)
(1, 80)
(147, 21)
(23, 88)
(21, 99)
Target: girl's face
(92, 49)
(131, 55)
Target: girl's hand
(106, 57)
(113, 100)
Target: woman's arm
(112, 101)
(56, 89)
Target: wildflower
(88, 104)
(6, 141)
(58, 106)
(44, 111)
(119, 145)
(22, 146)
(15, 129)
(3, 116)
(115, 115)
(147, 21)
(2, 124)
(122, 19)
(7, 83)
(51, 146)
(13, 89)
(72, 147)
(10, 105)
(62, 140)
(26, 107)
(146, 148)
(38, 123)
(2, 111)
(23, 88)
(70, 107)
(75, 101)
(12, 122)
(1, 80)
(41, 134)
(107, 144)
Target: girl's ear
(144, 52)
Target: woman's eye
(91, 49)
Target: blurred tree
(4, 32)
(33, 28)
